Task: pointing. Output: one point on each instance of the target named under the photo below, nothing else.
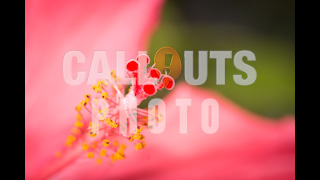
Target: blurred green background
(264, 27)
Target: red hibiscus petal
(56, 27)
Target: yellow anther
(139, 145)
(79, 116)
(90, 155)
(75, 131)
(96, 89)
(108, 120)
(141, 137)
(83, 103)
(138, 136)
(58, 154)
(113, 158)
(98, 160)
(103, 152)
(99, 84)
(139, 129)
(87, 96)
(104, 95)
(121, 151)
(131, 138)
(114, 124)
(78, 108)
(78, 124)
(119, 155)
(85, 146)
(106, 143)
(123, 146)
(135, 136)
(71, 138)
(113, 74)
(92, 134)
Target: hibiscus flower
(246, 146)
